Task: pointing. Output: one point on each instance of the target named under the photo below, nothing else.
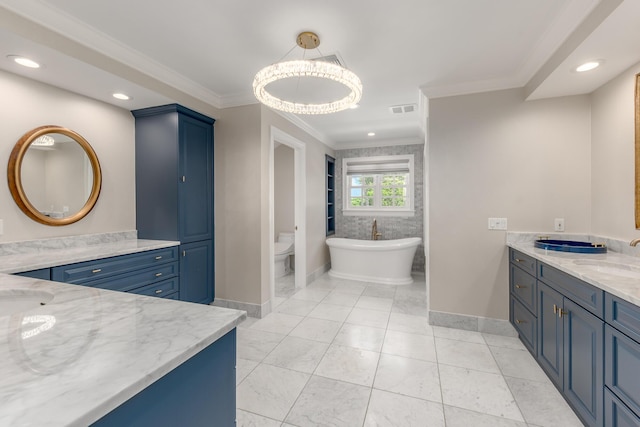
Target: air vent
(403, 109)
(333, 59)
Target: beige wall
(283, 183)
(495, 155)
(612, 151)
(237, 204)
(110, 130)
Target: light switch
(497, 223)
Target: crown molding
(380, 143)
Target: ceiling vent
(333, 59)
(403, 109)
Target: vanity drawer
(130, 281)
(524, 287)
(160, 289)
(622, 367)
(616, 413)
(91, 270)
(589, 297)
(525, 323)
(623, 315)
(523, 261)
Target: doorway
(279, 138)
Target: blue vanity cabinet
(523, 311)
(571, 341)
(197, 272)
(622, 355)
(174, 190)
(201, 392)
(154, 273)
(550, 333)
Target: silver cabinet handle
(521, 287)
(159, 291)
(97, 270)
(158, 274)
(159, 257)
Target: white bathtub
(379, 261)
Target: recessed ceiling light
(587, 66)
(121, 96)
(371, 134)
(25, 62)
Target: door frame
(300, 203)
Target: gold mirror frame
(14, 175)
(637, 144)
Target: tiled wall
(359, 227)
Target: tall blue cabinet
(174, 190)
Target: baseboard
(253, 310)
(472, 323)
(315, 275)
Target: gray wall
(391, 227)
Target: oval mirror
(54, 175)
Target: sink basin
(612, 268)
(20, 300)
(571, 246)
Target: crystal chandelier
(307, 68)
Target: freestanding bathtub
(378, 261)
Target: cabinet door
(583, 362)
(550, 333)
(195, 196)
(196, 272)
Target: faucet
(634, 242)
(374, 230)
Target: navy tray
(571, 246)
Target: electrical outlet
(558, 224)
(497, 224)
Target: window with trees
(378, 185)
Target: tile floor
(345, 353)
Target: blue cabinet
(570, 350)
(154, 273)
(174, 190)
(43, 273)
(569, 332)
(523, 312)
(197, 269)
(199, 392)
(550, 333)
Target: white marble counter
(88, 350)
(32, 255)
(595, 269)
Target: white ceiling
(211, 49)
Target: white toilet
(282, 251)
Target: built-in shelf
(331, 185)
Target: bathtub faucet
(374, 231)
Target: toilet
(282, 250)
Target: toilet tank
(288, 237)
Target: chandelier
(305, 68)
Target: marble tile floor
(345, 353)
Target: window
(378, 185)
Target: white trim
(375, 143)
(306, 128)
(300, 190)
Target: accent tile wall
(391, 227)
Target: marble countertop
(86, 351)
(54, 256)
(614, 272)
